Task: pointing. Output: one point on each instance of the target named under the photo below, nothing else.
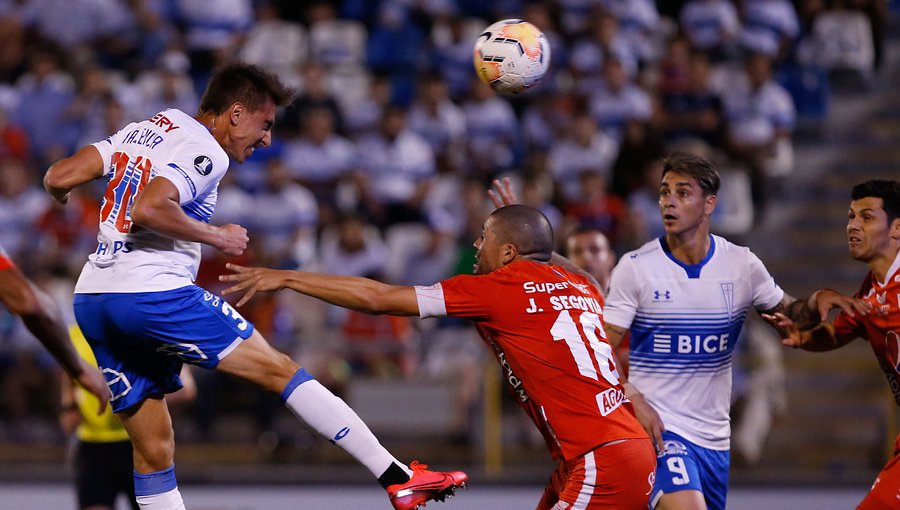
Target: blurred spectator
(396, 169)
(643, 203)
(445, 212)
(351, 247)
(12, 47)
(585, 148)
(538, 191)
(841, 42)
(440, 121)
(100, 113)
(454, 41)
(693, 111)
(760, 117)
(416, 250)
(641, 147)
(314, 93)
(493, 130)
(168, 85)
(278, 45)
(602, 41)
(674, 68)
(284, 220)
(156, 31)
(639, 23)
(45, 94)
(64, 230)
(333, 41)
(574, 15)
(711, 26)
(320, 160)
(596, 208)
(363, 117)
(213, 31)
(104, 27)
(618, 100)
(340, 45)
(543, 121)
(21, 202)
(769, 27)
(395, 49)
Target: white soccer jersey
(128, 258)
(684, 322)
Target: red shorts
(885, 492)
(5, 263)
(615, 476)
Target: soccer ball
(511, 56)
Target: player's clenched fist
(233, 239)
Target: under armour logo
(340, 435)
(662, 295)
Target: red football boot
(423, 486)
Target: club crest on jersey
(203, 165)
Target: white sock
(166, 501)
(334, 419)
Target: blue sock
(158, 491)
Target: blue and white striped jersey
(171, 145)
(684, 322)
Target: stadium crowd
(380, 166)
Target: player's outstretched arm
(68, 173)
(44, 320)
(808, 313)
(357, 293)
(157, 208)
(823, 337)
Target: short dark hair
(525, 227)
(693, 166)
(887, 191)
(242, 83)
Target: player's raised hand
(94, 382)
(825, 300)
(502, 194)
(233, 239)
(787, 330)
(253, 280)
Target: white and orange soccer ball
(511, 56)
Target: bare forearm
(823, 338)
(166, 217)
(45, 322)
(357, 293)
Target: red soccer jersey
(545, 325)
(882, 325)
